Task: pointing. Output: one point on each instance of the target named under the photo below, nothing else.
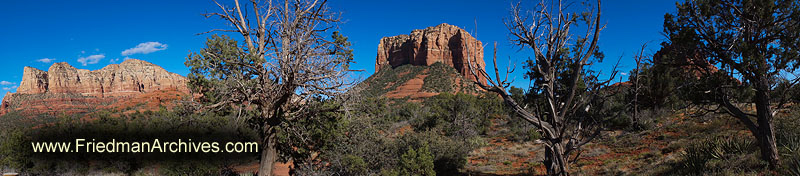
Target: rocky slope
(66, 89)
(443, 43)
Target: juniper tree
(753, 43)
(290, 58)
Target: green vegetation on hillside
(388, 79)
(439, 78)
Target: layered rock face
(33, 81)
(66, 89)
(131, 76)
(443, 43)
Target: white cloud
(45, 60)
(9, 88)
(623, 73)
(93, 59)
(144, 48)
(5, 83)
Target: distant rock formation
(443, 43)
(131, 76)
(63, 84)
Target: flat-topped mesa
(130, 77)
(443, 43)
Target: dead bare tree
(290, 56)
(567, 113)
(636, 85)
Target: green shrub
(786, 131)
(355, 165)
(389, 172)
(788, 140)
(375, 133)
(14, 153)
(718, 154)
(417, 162)
(450, 154)
(521, 130)
(460, 115)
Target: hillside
(414, 82)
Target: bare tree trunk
(635, 117)
(636, 86)
(635, 89)
(555, 159)
(269, 154)
(769, 151)
(766, 132)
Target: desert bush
(359, 140)
(355, 165)
(377, 133)
(649, 118)
(718, 154)
(787, 136)
(523, 132)
(13, 153)
(449, 154)
(417, 162)
(367, 152)
(459, 114)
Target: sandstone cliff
(443, 43)
(63, 88)
(131, 76)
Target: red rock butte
(128, 79)
(443, 43)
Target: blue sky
(92, 34)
